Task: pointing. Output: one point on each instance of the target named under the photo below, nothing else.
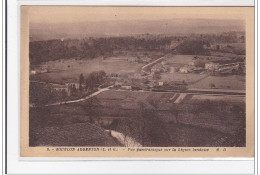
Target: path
(79, 100)
(152, 63)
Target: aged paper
(138, 82)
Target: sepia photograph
(137, 77)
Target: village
(149, 78)
(139, 91)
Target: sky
(48, 14)
(48, 22)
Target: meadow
(235, 82)
(69, 70)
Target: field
(69, 70)
(201, 80)
(179, 59)
(151, 118)
(189, 78)
(223, 82)
(195, 115)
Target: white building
(211, 66)
(160, 83)
(184, 70)
(127, 87)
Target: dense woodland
(88, 48)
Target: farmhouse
(127, 87)
(146, 59)
(160, 83)
(192, 63)
(211, 66)
(76, 85)
(60, 88)
(184, 69)
(33, 72)
(39, 69)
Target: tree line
(93, 80)
(42, 51)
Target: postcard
(137, 82)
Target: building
(117, 83)
(192, 63)
(160, 83)
(76, 85)
(33, 72)
(163, 62)
(184, 69)
(212, 66)
(60, 88)
(39, 69)
(127, 87)
(146, 59)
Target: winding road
(78, 100)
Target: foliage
(192, 47)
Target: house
(118, 84)
(146, 59)
(197, 70)
(184, 69)
(192, 63)
(127, 87)
(76, 85)
(60, 88)
(160, 83)
(212, 66)
(33, 72)
(39, 69)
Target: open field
(206, 115)
(189, 78)
(179, 59)
(223, 82)
(219, 97)
(69, 70)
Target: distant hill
(47, 31)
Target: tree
(81, 80)
(152, 130)
(90, 107)
(212, 85)
(94, 79)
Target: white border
(143, 2)
(16, 165)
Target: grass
(69, 70)
(179, 59)
(223, 82)
(196, 123)
(180, 77)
